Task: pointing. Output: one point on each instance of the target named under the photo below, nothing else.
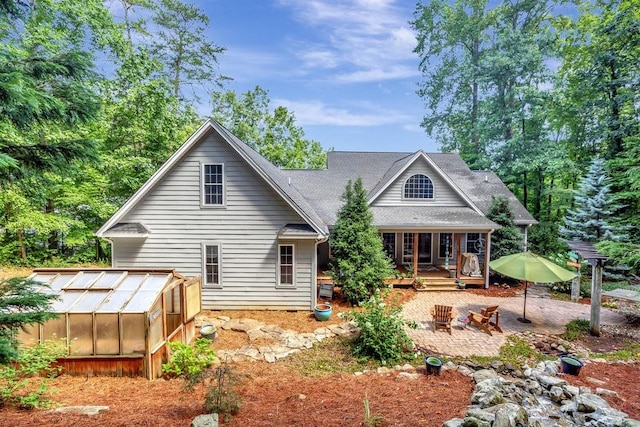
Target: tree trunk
(23, 248)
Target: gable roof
(272, 175)
(378, 170)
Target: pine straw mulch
(277, 394)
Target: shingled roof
(323, 188)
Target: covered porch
(437, 258)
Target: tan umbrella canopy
(530, 267)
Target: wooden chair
(483, 320)
(442, 317)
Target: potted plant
(461, 284)
(418, 283)
(322, 311)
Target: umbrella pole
(524, 319)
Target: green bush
(382, 335)
(190, 361)
(24, 381)
(576, 329)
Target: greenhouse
(117, 322)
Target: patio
(547, 316)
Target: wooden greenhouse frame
(117, 322)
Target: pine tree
(506, 240)
(360, 263)
(594, 205)
(20, 305)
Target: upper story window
(212, 184)
(419, 186)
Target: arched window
(419, 186)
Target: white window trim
(279, 283)
(204, 265)
(224, 187)
(417, 199)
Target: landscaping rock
(82, 410)
(205, 420)
(541, 399)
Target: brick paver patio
(547, 317)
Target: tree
(506, 240)
(180, 44)
(589, 219)
(20, 306)
(272, 134)
(360, 265)
(451, 41)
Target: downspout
(486, 263)
(113, 258)
(314, 271)
(525, 242)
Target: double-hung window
(212, 184)
(211, 266)
(286, 265)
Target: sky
(345, 68)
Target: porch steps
(444, 284)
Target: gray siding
(443, 194)
(246, 228)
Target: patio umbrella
(530, 267)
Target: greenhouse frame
(117, 322)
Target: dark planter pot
(570, 365)
(322, 311)
(209, 332)
(433, 365)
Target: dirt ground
(276, 395)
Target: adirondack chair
(442, 317)
(483, 320)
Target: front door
(423, 247)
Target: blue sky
(344, 67)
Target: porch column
(487, 255)
(415, 255)
(458, 254)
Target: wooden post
(596, 295)
(458, 254)
(415, 255)
(575, 288)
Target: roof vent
(486, 178)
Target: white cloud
(310, 113)
(370, 38)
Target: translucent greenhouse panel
(84, 279)
(156, 282)
(107, 341)
(80, 334)
(193, 300)
(140, 302)
(109, 280)
(114, 302)
(172, 309)
(55, 329)
(67, 299)
(133, 333)
(132, 282)
(44, 278)
(31, 336)
(89, 302)
(62, 280)
(155, 324)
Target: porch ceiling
(432, 217)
